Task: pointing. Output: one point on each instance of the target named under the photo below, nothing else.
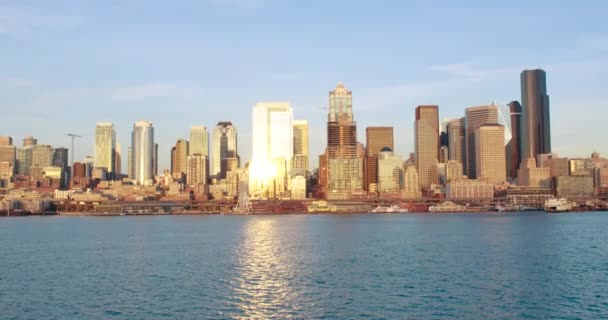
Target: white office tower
(272, 150)
(142, 141)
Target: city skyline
(79, 82)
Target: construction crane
(73, 136)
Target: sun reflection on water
(265, 268)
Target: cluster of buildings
(472, 157)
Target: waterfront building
(426, 135)
(179, 159)
(474, 118)
(574, 187)
(490, 153)
(466, 189)
(300, 147)
(390, 171)
(535, 121)
(411, 183)
(224, 147)
(528, 197)
(514, 146)
(272, 149)
(196, 172)
(532, 176)
(105, 147)
(344, 163)
(377, 138)
(143, 152)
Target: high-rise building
(42, 155)
(456, 140)
(29, 141)
(8, 152)
(344, 161)
(60, 157)
(514, 146)
(24, 160)
(535, 121)
(199, 141)
(142, 142)
(118, 160)
(453, 171)
(300, 147)
(90, 162)
(196, 171)
(272, 149)
(390, 171)
(80, 170)
(224, 146)
(130, 163)
(6, 141)
(155, 160)
(411, 183)
(474, 118)
(426, 132)
(377, 138)
(179, 159)
(490, 153)
(105, 147)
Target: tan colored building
(490, 162)
(300, 147)
(390, 171)
(530, 175)
(574, 187)
(475, 117)
(344, 157)
(557, 166)
(196, 171)
(179, 159)
(426, 132)
(377, 138)
(456, 140)
(411, 184)
(453, 171)
(466, 189)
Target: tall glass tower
(142, 141)
(535, 124)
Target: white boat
(387, 209)
(558, 205)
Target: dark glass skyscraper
(535, 124)
(514, 146)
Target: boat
(389, 209)
(447, 206)
(558, 205)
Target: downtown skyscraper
(426, 133)
(300, 164)
(341, 167)
(535, 121)
(105, 147)
(377, 138)
(224, 147)
(272, 149)
(142, 148)
(474, 118)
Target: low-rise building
(574, 186)
(466, 189)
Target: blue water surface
(460, 266)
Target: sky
(67, 64)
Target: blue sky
(68, 64)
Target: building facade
(142, 144)
(224, 146)
(490, 153)
(377, 138)
(105, 147)
(535, 122)
(426, 133)
(475, 117)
